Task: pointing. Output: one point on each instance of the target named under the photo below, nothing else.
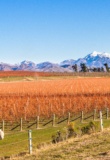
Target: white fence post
(30, 141)
(101, 121)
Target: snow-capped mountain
(100, 54)
(97, 59)
(27, 65)
(67, 63)
(51, 67)
(5, 67)
(8, 67)
(92, 60)
(45, 65)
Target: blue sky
(53, 30)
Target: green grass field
(16, 142)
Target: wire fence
(19, 141)
(39, 122)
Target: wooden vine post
(53, 120)
(107, 114)
(68, 120)
(21, 124)
(94, 115)
(37, 122)
(3, 125)
(82, 116)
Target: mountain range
(92, 60)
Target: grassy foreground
(16, 144)
(88, 147)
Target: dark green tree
(102, 69)
(98, 69)
(83, 67)
(106, 66)
(75, 68)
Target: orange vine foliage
(45, 97)
(30, 73)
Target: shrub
(57, 138)
(88, 129)
(71, 130)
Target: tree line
(84, 68)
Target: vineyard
(23, 73)
(51, 74)
(43, 98)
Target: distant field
(51, 74)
